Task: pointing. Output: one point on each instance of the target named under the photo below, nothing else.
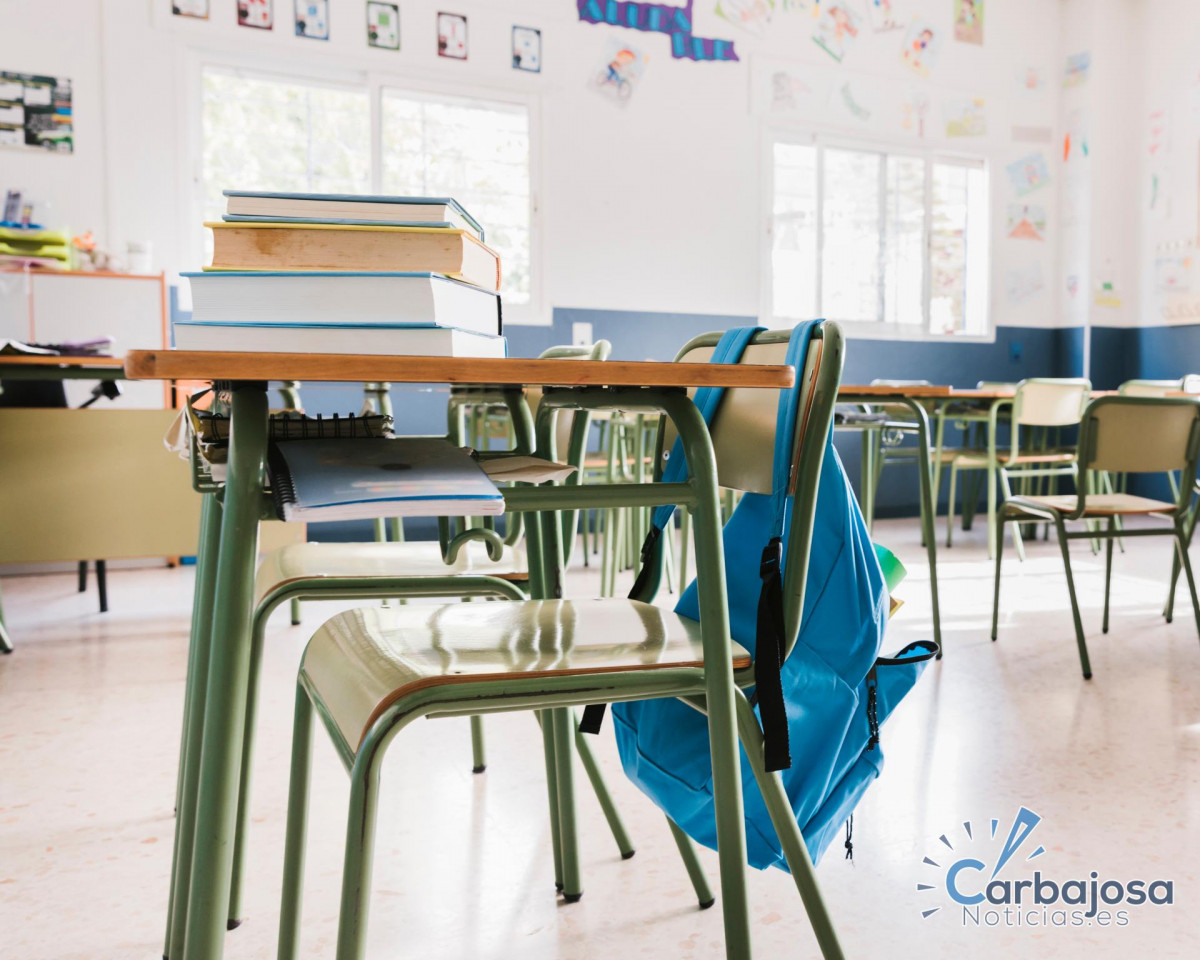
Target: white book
(343, 297)
(389, 340)
(348, 206)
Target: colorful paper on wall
(258, 14)
(849, 100)
(1028, 174)
(790, 91)
(1076, 71)
(921, 47)
(751, 15)
(882, 15)
(1023, 284)
(312, 19)
(197, 9)
(837, 28)
(1031, 80)
(620, 72)
(1173, 274)
(527, 49)
(968, 21)
(965, 117)
(36, 111)
(1158, 133)
(452, 36)
(914, 109)
(1075, 137)
(1026, 222)
(674, 21)
(383, 26)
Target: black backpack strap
(768, 660)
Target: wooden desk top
(20, 360)
(884, 390)
(315, 367)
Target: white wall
(656, 205)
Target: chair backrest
(1190, 383)
(743, 436)
(1126, 434)
(600, 350)
(995, 385)
(882, 382)
(1149, 388)
(1050, 402)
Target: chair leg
(297, 827)
(257, 632)
(1181, 549)
(1064, 546)
(478, 754)
(783, 818)
(996, 592)
(1018, 541)
(600, 788)
(82, 575)
(102, 584)
(687, 852)
(950, 505)
(295, 610)
(562, 723)
(685, 542)
(1108, 552)
(543, 718)
(359, 857)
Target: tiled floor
(89, 727)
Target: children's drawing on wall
(914, 109)
(1022, 284)
(1072, 285)
(751, 15)
(383, 26)
(921, 46)
(527, 49)
(1076, 71)
(1031, 80)
(620, 72)
(256, 13)
(968, 21)
(849, 100)
(837, 28)
(1158, 142)
(788, 91)
(1026, 221)
(1028, 174)
(965, 117)
(197, 9)
(1106, 291)
(1075, 137)
(312, 19)
(882, 14)
(452, 36)
(674, 20)
(1173, 274)
(1156, 196)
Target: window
(863, 236)
(261, 132)
(474, 150)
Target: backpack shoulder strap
(770, 640)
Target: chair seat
(362, 661)
(1100, 504)
(978, 458)
(418, 558)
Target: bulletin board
(35, 112)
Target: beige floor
(89, 726)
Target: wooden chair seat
(362, 661)
(419, 558)
(1097, 505)
(978, 458)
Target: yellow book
(243, 245)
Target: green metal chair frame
(1137, 439)
(713, 687)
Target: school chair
(1121, 434)
(367, 674)
(1037, 405)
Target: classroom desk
(218, 663)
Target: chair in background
(1157, 388)
(367, 674)
(1038, 406)
(1119, 435)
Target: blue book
(317, 480)
(422, 211)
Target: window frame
(535, 312)
(868, 329)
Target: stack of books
(326, 273)
(27, 247)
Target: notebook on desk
(316, 480)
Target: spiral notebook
(316, 480)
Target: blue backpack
(821, 708)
